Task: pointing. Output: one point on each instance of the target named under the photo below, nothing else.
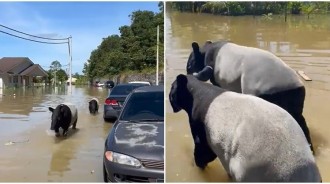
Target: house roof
(34, 70)
(9, 63)
(21, 66)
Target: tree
(76, 75)
(311, 7)
(250, 8)
(55, 65)
(55, 72)
(61, 76)
(134, 49)
(161, 6)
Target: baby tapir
(63, 116)
(93, 106)
(256, 141)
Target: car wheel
(105, 175)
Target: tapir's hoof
(200, 165)
(57, 134)
(65, 134)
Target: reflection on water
(41, 157)
(63, 154)
(303, 44)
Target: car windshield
(146, 106)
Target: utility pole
(157, 55)
(71, 66)
(70, 63)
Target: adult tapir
(252, 71)
(63, 116)
(256, 141)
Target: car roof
(130, 84)
(149, 89)
(144, 82)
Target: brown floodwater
(36, 155)
(303, 44)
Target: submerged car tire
(105, 175)
(109, 120)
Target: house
(73, 81)
(19, 71)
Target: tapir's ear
(195, 46)
(51, 109)
(182, 79)
(208, 42)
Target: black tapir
(63, 116)
(93, 105)
(252, 71)
(256, 141)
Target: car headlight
(122, 159)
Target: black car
(114, 102)
(134, 148)
(109, 84)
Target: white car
(99, 84)
(140, 82)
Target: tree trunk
(254, 9)
(285, 11)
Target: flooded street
(30, 152)
(303, 44)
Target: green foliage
(296, 7)
(55, 69)
(134, 49)
(61, 75)
(81, 79)
(315, 7)
(55, 65)
(213, 7)
(251, 8)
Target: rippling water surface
(36, 155)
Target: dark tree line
(251, 8)
(133, 50)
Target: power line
(33, 40)
(33, 35)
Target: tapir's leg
(65, 132)
(205, 74)
(75, 124)
(203, 154)
(57, 132)
(301, 120)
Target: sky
(86, 22)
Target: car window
(144, 106)
(121, 90)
